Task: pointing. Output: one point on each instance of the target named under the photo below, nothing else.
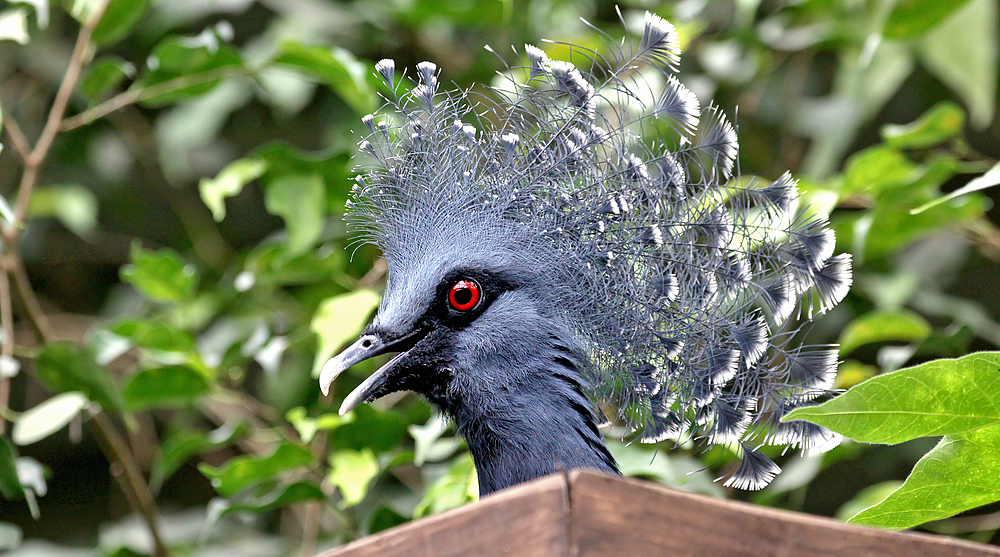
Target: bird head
(556, 206)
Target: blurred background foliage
(174, 266)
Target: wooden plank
(612, 516)
(528, 521)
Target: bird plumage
(622, 265)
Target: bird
(574, 246)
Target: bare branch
(17, 137)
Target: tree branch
(17, 137)
(7, 346)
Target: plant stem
(7, 347)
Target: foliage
(175, 270)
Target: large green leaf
(103, 75)
(193, 65)
(962, 52)
(166, 386)
(299, 199)
(339, 320)
(66, 367)
(160, 275)
(281, 496)
(949, 396)
(243, 472)
(989, 179)
(962, 472)
(881, 326)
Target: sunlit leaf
(949, 396)
(164, 387)
(336, 67)
(867, 497)
(457, 487)
(301, 201)
(154, 335)
(339, 320)
(962, 472)
(905, 326)
(47, 418)
(242, 472)
(160, 275)
(66, 367)
(989, 179)
(73, 205)
(14, 25)
(955, 52)
(307, 427)
(942, 122)
(351, 472)
(229, 182)
(10, 536)
(875, 169)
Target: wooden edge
(614, 516)
(529, 520)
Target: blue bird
(575, 242)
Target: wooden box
(584, 513)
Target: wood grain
(528, 521)
(587, 514)
(612, 516)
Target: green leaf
(82, 10)
(867, 497)
(941, 397)
(301, 201)
(912, 18)
(956, 52)
(457, 487)
(881, 326)
(182, 445)
(72, 204)
(281, 496)
(243, 472)
(989, 179)
(10, 485)
(351, 472)
(336, 67)
(229, 182)
(103, 75)
(876, 169)
(962, 472)
(47, 418)
(339, 320)
(14, 25)
(942, 122)
(194, 65)
(118, 20)
(307, 427)
(155, 335)
(160, 275)
(164, 387)
(65, 367)
(429, 442)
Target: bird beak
(368, 346)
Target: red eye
(464, 295)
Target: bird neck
(525, 423)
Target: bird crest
(605, 181)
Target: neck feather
(526, 423)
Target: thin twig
(36, 315)
(7, 347)
(131, 479)
(135, 95)
(17, 137)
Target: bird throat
(528, 425)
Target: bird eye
(464, 295)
